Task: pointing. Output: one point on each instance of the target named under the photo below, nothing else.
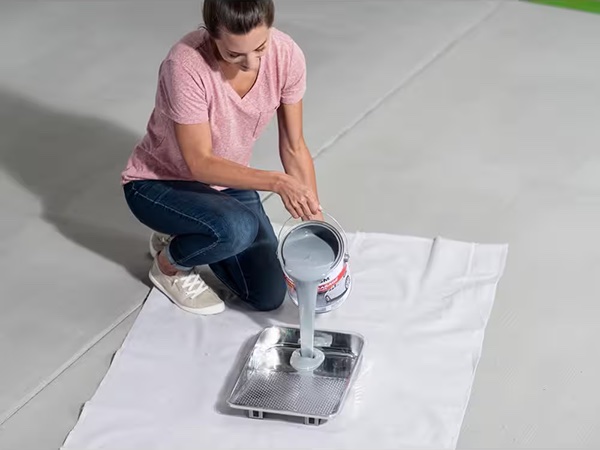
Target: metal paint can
(335, 288)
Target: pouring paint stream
(308, 258)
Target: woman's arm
(195, 143)
(295, 156)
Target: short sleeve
(295, 82)
(183, 94)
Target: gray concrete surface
(471, 119)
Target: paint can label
(332, 290)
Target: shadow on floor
(72, 163)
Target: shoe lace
(192, 284)
(164, 239)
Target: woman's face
(244, 50)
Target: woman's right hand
(299, 199)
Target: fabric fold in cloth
(421, 304)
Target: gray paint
(307, 259)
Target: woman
(188, 178)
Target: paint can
(335, 287)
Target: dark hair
(236, 16)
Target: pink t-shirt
(191, 89)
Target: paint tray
(268, 384)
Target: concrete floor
(476, 120)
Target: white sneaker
(158, 241)
(188, 291)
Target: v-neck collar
(228, 87)
(231, 90)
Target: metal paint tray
(268, 384)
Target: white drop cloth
(421, 304)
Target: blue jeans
(228, 230)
